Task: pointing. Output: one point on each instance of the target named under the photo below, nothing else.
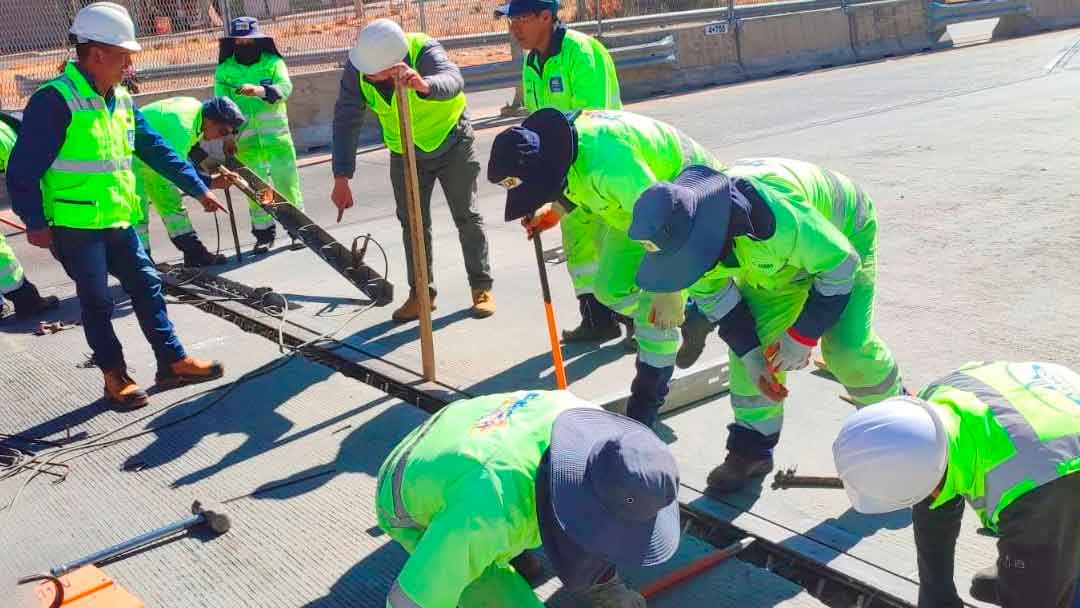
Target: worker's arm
(44, 128)
(152, 149)
(724, 305)
(441, 74)
(349, 112)
(936, 531)
(280, 87)
(461, 542)
(825, 253)
(588, 83)
(222, 88)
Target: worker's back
(178, 120)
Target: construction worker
(252, 73)
(183, 122)
(568, 70)
(602, 160)
(442, 132)
(487, 478)
(1003, 436)
(71, 182)
(781, 254)
(14, 285)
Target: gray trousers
(456, 170)
(1038, 548)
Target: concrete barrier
(885, 29)
(1042, 15)
(707, 53)
(794, 42)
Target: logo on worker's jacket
(499, 417)
(555, 84)
(1045, 377)
(131, 137)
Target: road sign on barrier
(720, 27)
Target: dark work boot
(196, 255)
(648, 392)
(597, 322)
(984, 585)
(695, 329)
(749, 456)
(29, 303)
(264, 240)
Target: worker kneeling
(1003, 436)
(487, 478)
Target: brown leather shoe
(483, 303)
(736, 472)
(410, 310)
(189, 370)
(121, 390)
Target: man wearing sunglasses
(183, 122)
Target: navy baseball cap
(614, 485)
(224, 110)
(524, 7)
(531, 161)
(245, 27)
(688, 221)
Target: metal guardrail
(942, 15)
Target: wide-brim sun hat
(246, 27)
(614, 487)
(688, 220)
(532, 160)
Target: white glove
(668, 310)
(791, 354)
(613, 594)
(757, 368)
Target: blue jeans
(88, 257)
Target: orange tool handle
(556, 351)
(694, 568)
(14, 225)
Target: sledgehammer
(214, 519)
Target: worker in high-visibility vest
(183, 122)
(71, 182)
(602, 160)
(784, 254)
(445, 146)
(568, 70)
(14, 285)
(1005, 438)
(485, 479)
(252, 73)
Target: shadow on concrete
(366, 338)
(536, 372)
(367, 583)
(58, 428)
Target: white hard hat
(891, 455)
(106, 23)
(378, 46)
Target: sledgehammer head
(213, 515)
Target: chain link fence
(180, 37)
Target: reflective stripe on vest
(398, 599)
(401, 518)
(1035, 460)
(432, 120)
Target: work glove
(762, 375)
(792, 352)
(613, 594)
(539, 222)
(668, 310)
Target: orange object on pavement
(87, 587)
(694, 568)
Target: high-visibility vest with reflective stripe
(580, 77)
(267, 123)
(91, 185)
(1012, 427)
(178, 120)
(7, 142)
(432, 120)
(621, 154)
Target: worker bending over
(1003, 436)
(71, 182)
(782, 253)
(183, 122)
(601, 161)
(445, 145)
(487, 478)
(252, 73)
(568, 70)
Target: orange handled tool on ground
(694, 568)
(553, 330)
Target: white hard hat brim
(132, 45)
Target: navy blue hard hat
(531, 161)
(223, 110)
(246, 27)
(524, 7)
(614, 485)
(688, 222)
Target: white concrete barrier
(890, 28)
(794, 42)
